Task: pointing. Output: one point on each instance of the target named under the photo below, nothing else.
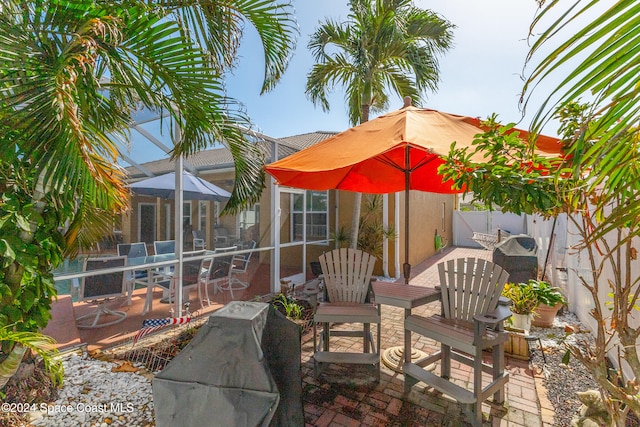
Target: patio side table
(407, 297)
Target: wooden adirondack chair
(471, 321)
(347, 279)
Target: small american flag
(152, 325)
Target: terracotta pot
(545, 314)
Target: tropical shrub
(41, 344)
(372, 233)
(523, 297)
(30, 246)
(547, 294)
(517, 179)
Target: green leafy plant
(601, 210)
(341, 237)
(65, 107)
(597, 186)
(372, 232)
(292, 309)
(547, 294)
(523, 297)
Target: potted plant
(550, 300)
(523, 303)
(299, 312)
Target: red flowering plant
(513, 175)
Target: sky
(480, 75)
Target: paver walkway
(347, 396)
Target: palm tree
(218, 27)
(40, 344)
(71, 74)
(385, 46)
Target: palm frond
(218, 27)
(607, 54)
(381, 41)
(21, 342)
(324, 77)
(249, 175)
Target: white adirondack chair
(347, 278)
(471, 321)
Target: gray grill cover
(518, 256)
(222, 377)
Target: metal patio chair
(164, 247)
(101, 289)
(199, 239)
(239, 265)
(220, 273)
(193, 272)
(136, 277)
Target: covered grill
(241, 369)
(518, 256)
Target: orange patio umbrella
(398, 151)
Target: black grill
(518, 255)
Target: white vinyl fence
(566, 264)
(465, 223)
(563, 264)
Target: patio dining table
(157, 267)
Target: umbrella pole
(406, 267)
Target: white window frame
(167, 220)
(186, 207)
(309, 236)
(203, 206)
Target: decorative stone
(85, 386)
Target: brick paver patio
(348, 396)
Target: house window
(202, 215)
(249, 221)
(186, 217)
(317, 215)
(216, 214)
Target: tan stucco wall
(130, 220)
(428, 212)
(425, 216)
